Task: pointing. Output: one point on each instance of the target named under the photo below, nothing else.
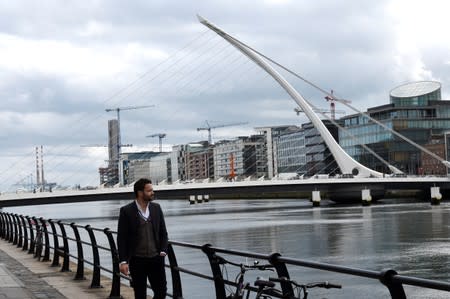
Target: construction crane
(330, 98)
(118, 109)
(160, 136)
(298, 110)
(104, 145)
(209, 128)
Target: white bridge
(337, 189)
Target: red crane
(330, 98)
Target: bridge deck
(227, 188)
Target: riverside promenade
(24, 277)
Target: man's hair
(140, 185)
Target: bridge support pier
(436, 195)
(192, 199)
(316, 198)
(206, 198)
(199, 198)
(366, 197)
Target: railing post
(55, 262)
(19, 225)
(65, 267)
(32, 242)
(217, 273)
(395, 288)
(46, 256)
(282, 271)
(96, 273)
(16, 230)
(25, 233)
(3, 225)
(115, 287)
(80, 258)
(6, 237)
(11, 228)
(176, 278)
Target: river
(408, 236)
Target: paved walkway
(16, 281)
(24, 277)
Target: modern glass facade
(304, 151)
(291, 152)
(415, 111)
(152, 165)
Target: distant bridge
(341, 190)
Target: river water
(408, 236)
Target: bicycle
(267, 290)
(241, 285)
(39, 243)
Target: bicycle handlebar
(324, 284)
(222, 260)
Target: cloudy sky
(62, 63)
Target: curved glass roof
(415, 89)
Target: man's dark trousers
(151, 268)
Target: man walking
(142, 242)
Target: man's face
(148, 193)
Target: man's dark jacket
(127, 229)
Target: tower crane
(103, 145)
(330, 98)
(118, 109)
(209, 128)
(160, 136)
(298, 110)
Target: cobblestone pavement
(18, 282)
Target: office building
(415, 111)
(193, 161)
(270, 136)
(430, 165)
(147, 164)
(242, 157)
(199, 161)
(302, 150)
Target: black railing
(22, 231)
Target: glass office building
(304, 152)
(415, 111)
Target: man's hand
(162, 253)
(124, 269)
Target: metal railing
(22, 231)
